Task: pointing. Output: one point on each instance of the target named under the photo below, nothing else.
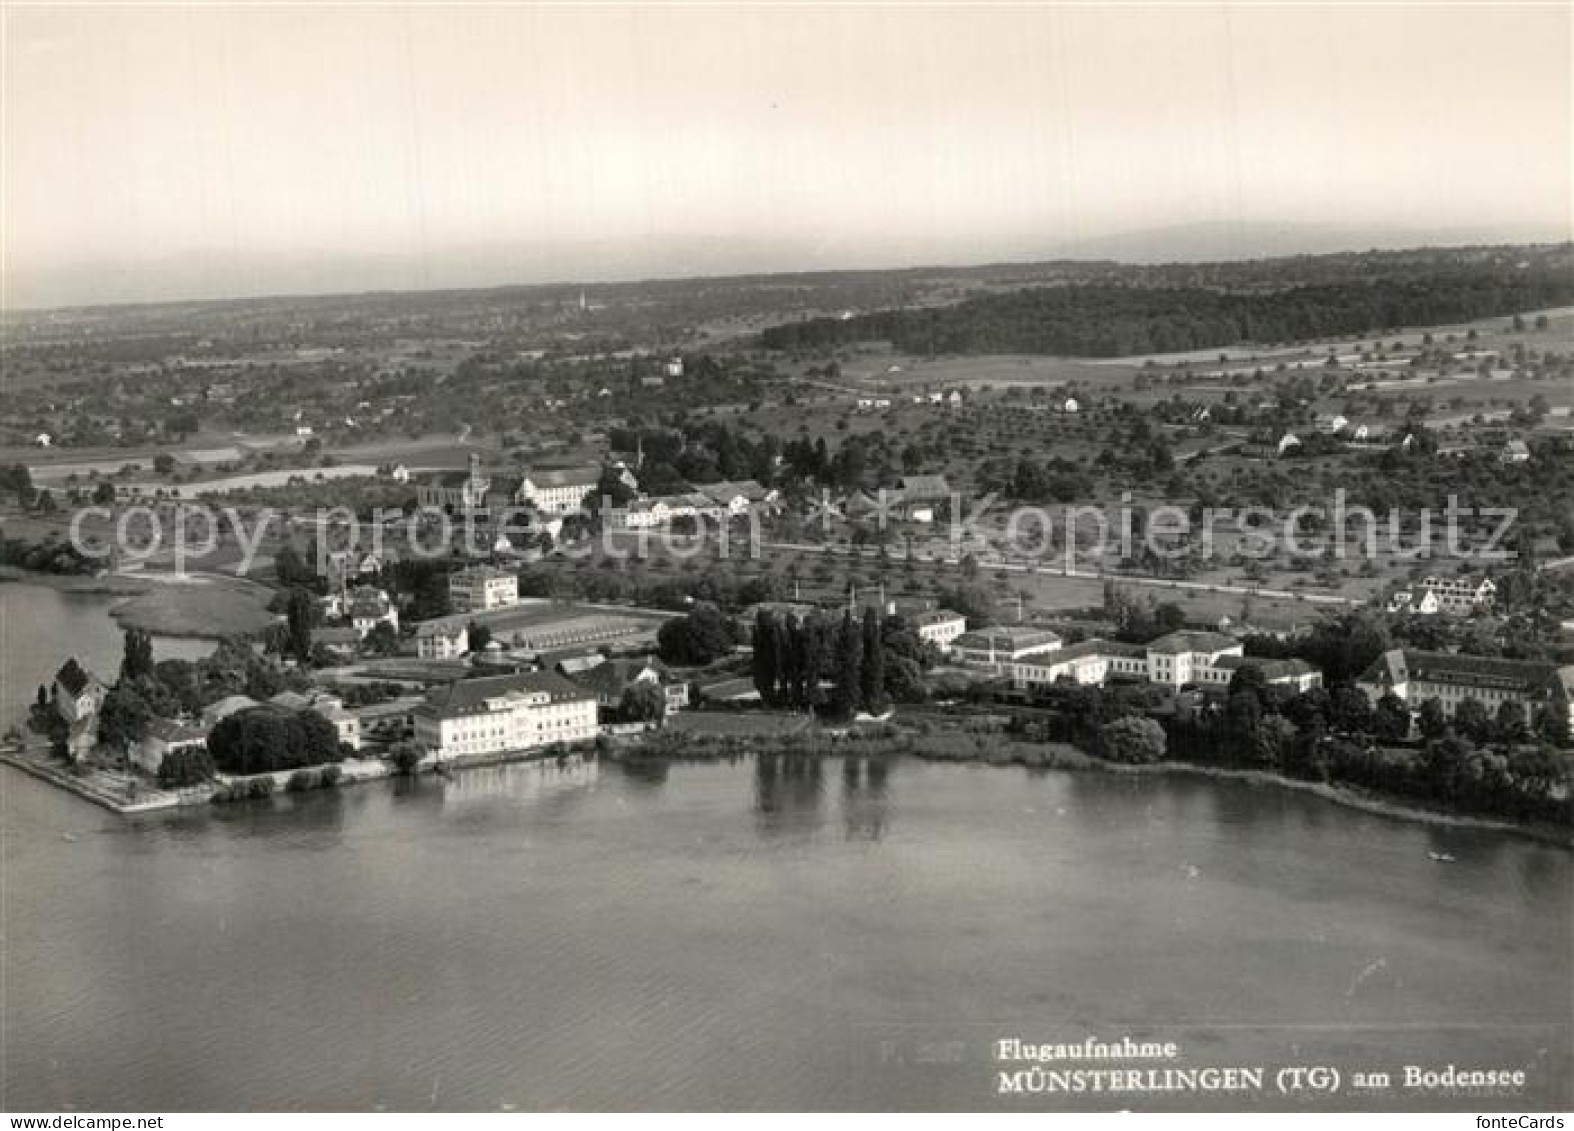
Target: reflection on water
(40, 627)
(865, 806)
(788, 792)
(714, 935)
(544, 781)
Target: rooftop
(467, 695)
(1174, 643)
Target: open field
(199, 607)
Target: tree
(973, 602)
(1350, 710)
(300, 610)
(291, 569)
(700, 637)
(163, 463)
(767, 656)
(123, 719)
(1391, 719)
(262, 739)
(1552, 724)
(1133, 739)
(1431, 720)
(871, 678)
(383, 640)
(1274, 740)
(1249, 680)
(1510, 722)
(479, 635)
(1242, 720)
(1472, 720)
(136, 655)
(849, 665)
(405, 756)
(643, 702)
(187, 766)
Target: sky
(207, 151)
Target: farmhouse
(369, 608)
(1515, 451)
(610, 679)
(446, 638)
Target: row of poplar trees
(795, 658)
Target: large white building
(1451, 678)
(479, 588)
(494, 714)
(1208, 660)
(998, 648)
(939, 627)
(560, 491)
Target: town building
(455, 491)
(922, 496)
(480, 588)
(216, 712)
(446, 638)
(494, 714)
(1090, 661)
(77, 694)
(164, 737)
(329, 706)
(560, 491)
(1451, 678)
(610, 679)
(1516, 451)
(338, 642)
(939, 627)
(1453, 596)
(1204, 660)
(1178, 658)
(738, 498)
(368, 607)
(998, 648)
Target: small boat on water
(1442, 857)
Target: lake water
(41, 626)
(773, 933)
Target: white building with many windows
(998, 648)
(939, 627)
(1206, 660)
(560, 491)
(479, 588)
(494, 714)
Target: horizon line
(7, 311)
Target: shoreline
(1070, 759)
(103, 585)
(1053, 756)
(1352, 797)
(194, 607)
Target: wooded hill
(1149, 314)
